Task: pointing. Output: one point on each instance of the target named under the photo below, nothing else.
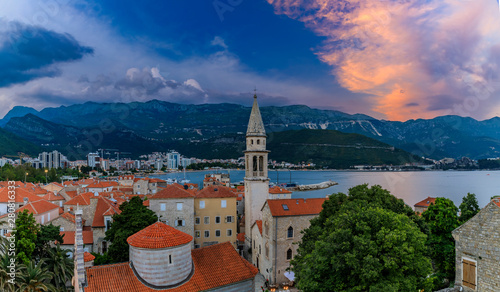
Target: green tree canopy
(374, 196)
(365, 248)
(468, 208)
(47, 235)
(133, 218)
(442, 219)
(26, 236)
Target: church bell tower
(256, 172)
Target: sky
(390, 59)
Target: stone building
(256, 172)
(161, 259)
(175, 206)
(215, 216)
(421, 206)
(274, 245)
(477, 245)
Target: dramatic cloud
(29, 52)
(415, 58)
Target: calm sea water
(412, 187)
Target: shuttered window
(469, 274)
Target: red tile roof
(295, 207)
(68, 216)
(69, 237)
(87, 257)
(426, 203)
(72, 194)
(103, 208)
(216, 192)
(159, 235)
(39, 207)
(52, 197)
(278, 190)
(496, 201)
(81, 199)
(215, 266)
(172, 191)
(20, 194)
(241, 237)
(259, 225)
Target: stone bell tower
(256, 173)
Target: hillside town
(212, 237)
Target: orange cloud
(416, 59)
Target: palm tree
(4, 273)
(35, 278)
(61, 265)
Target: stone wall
(171, 214)
(479, 240)
(245, 286)
(154, 267)
(65, 223)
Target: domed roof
(158, 235)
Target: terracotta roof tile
(39, 207)
(87, 257)
(72, 194)
(216, 192)
(172, 191)
(103, 208)
(295, 207)
(52, 197)
(496, 201)
(20, 194)
(69, 237)
(241, 237)
(278, 190)
(68, 216)
(214, 266)
(259, 225)
(426, 203)
(159, 235)
(81, 199)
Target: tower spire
(255, 124)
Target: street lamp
(26, 174)
(46, 176)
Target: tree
(375, 196)
(468, 208)
(365, 247)
(26, 236)
(4, 267)
(61, 265)
(133, 218)
(48, 235)
(442, 219)
(34, 278)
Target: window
(260, 251)
(285, 207)
(217, 219)
(258, 141)
(48, 217)
(217, 233)
(179, 206)
(202, 204)
(223, 203)
(197, 220)
(197, 234)
(206, 220)
(469, 273)
(290, 232)
(266, 228)
(267, 251)
(170, 259)
(251, 142)
(180, 222)
(229, 232)
(108, 224)
(163, 207)
(196, 246)
(60, 228)
(207, 233)
(43, 219)
(229, 219)
(289, 254)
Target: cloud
(30, 52)
(432, 55)
(218, 41)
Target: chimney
(25, 201)
(79, 273)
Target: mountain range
(155, 125)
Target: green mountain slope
(11, 144)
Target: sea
(410, 186)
